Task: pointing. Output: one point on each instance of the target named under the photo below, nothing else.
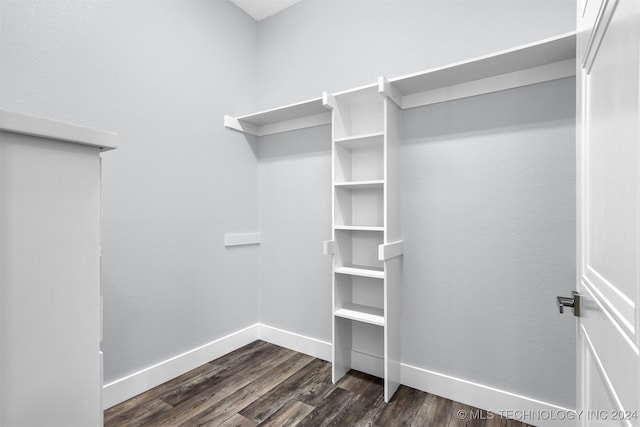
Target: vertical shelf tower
(367, 242)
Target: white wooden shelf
(532, 63)
(359, 227)
(291, 117)
(358, 141)
(362, 313)
(374, 183)
(373, 272)
(549, 59)
(11, 121)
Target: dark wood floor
(263, 384)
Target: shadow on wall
(512, 110)
(302, 143)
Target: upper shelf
(545, 60)
(11, 121)
(295, 116)
(548, 59)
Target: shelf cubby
(360, 298)
(359, 159)
(360, 112)
(357, 249)
(359, 206)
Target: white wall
(488, 210)
(488, 187)
(161, 74)
(295, 218)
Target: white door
(608, 57)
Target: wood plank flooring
(266, 385)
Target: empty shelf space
(360, 184)
(363, 271)
(359, 227)
(290, 117)
(554, 49)
(545, 60)
(362, 313)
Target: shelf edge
(11, 121)
(362, 272)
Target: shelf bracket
(385, 88)
(241, 239)
(328, 101)
(390, 250)
(233, 123)
(327, 247)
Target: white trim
(242, 239)
(53, 129)
(468, 392)
(125, 388)
(303, 344)
(605, 14)
(486, 397)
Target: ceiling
(260, 9)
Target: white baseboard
(528, 410)
(300, 343)
(498, 401)
(145, 379)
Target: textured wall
(161, 74)
(488, 214)
(295, 218)
(488, 186)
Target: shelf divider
(362, 313)
(359, 227)
(373, 272)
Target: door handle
(573, 301)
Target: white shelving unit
(544, 60)
(367, 243)
(366, 285)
